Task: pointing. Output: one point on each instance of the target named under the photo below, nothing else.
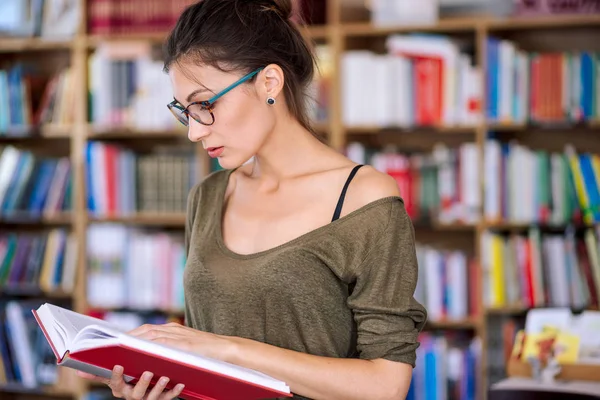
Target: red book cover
(111, 155)
(209, 381)
(428, 78)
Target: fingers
(139, 390)
(118, 385)
(158, 389)
(173, 393)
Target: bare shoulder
(369, 185)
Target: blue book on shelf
(588, 86)
(4, 103)
(492, 78)
(89, 177)
(38, 199)
(591, 186)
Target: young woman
(300, 264)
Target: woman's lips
(215, 152)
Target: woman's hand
(187, 339)
(123, 390)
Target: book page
(63, 325)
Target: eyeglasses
(202, 111)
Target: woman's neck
(289, 151)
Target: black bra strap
(338, 208)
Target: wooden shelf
(316, 32)
(18, 389)
(14, 44)
(58, 219)
(146, 219)
(128, 133)
(550, 127)
(34, 292)
(437, 226)
(554, 22)
(464, 324)
(513, 226)
(374, 130)
(93, 41)
(453, 25)
(507, 310)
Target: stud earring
(270, 101)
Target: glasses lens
(179, 114)
(201, 114)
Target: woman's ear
(271, 84)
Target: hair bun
(284, 8)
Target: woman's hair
(243, 35)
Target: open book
(92, 345)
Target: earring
(270, 101)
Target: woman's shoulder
(370, 186)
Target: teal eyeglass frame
(207, 104)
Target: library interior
(464, 99)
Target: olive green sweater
(342, 290)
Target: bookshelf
(346, 28)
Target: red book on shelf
(92, 345)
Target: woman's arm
(307, 375)
(323, 377)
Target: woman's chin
(230, 162)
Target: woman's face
(242, 117)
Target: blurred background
(486, 112)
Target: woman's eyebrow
(194, 93)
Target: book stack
(49, 19)
(33, 187)
(25, 357)
(121, 182)
(538, 269)
(529, 186)
(134, 269)
(441, 186)
(29, 99)
(421, 81)
(447, 284)
(109, 17)
(128, 88)
(446, 368)
(40, 262)
(540, 88)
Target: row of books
(32, 186)
(420, 81)
(540, 87)
(107, 17)
(442, 185)
(121, 182)
(134, 269)
(21, 108)
(128, 88)
(38, 262)
(521, 185)
(537, 269)
(524, 185)
(446, 284)
(51, 19)
(447, 368)
(27, 360)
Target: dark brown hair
(243, 35)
